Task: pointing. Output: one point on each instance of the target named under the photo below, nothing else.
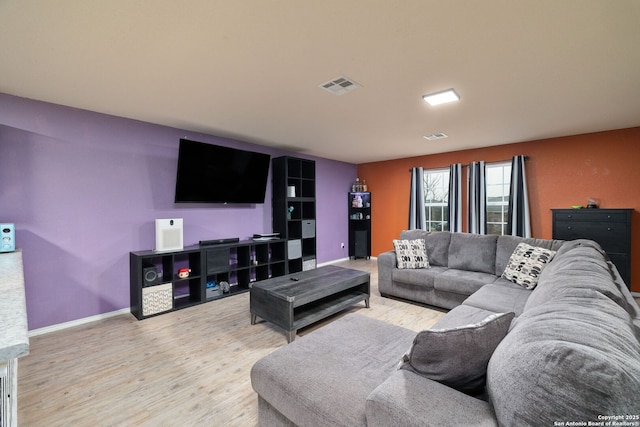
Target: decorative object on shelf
(357, 201)
(183, 273)
(289, 212)
(213, 290)
(359, 186)
(291, 191)
(225, 287)
(592, 203)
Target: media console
(161, 282)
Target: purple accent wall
(84, 189)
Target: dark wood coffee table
(296, 300)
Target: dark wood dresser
(611, 228)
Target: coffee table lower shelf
(292, 302)
(313, 312)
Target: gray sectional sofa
(571, 353)
(460, 264)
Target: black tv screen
(210, 173)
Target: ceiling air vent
(340, 85)
(434, 136)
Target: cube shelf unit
(155, 287)
(243, 263)
(359, 224)
(294, 210)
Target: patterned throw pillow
(411, 253)
(526, 263)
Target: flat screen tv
(210, 173)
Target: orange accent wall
(561, 172)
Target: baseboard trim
(72, 323)
(335, 261)
(636, 294)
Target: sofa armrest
(407, 399)
(386, 264)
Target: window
(436, 199)
(498, 180)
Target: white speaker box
(169, 234)
(7, 238)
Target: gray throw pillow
(411, 253)
(526, 263)
(458, 357)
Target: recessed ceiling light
(441, 97)
(434, 136)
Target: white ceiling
(251, 69)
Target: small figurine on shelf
(357, 201)
(289, 212)
(225, 287)
(183, 273)
(359, 186)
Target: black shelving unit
(156, 287)
(359, 224)
(294, 210)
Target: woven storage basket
(156, 299)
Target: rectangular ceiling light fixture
(434, 136)
(441, 97)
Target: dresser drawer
(592, 215)
(613, 237)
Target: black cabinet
(611, 228)
(165, 281)
(294, 210)
(359, 224)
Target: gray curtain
(455, 198)
(477, 198)
(519, 223)
(417, 220)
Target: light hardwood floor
(187, 368)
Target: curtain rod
(466, 165)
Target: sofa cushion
(413, 234)
(462, 315)
(324, 378)
(461, 281)
(411, 253)
(436, 353)
(473, 252)
(507, 244)
(499, 298)
(437, 244)
(575, 357)
(407, 399)
(422, 277)
(526, 264)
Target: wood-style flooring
(185, 368)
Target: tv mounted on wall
(210, 173)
